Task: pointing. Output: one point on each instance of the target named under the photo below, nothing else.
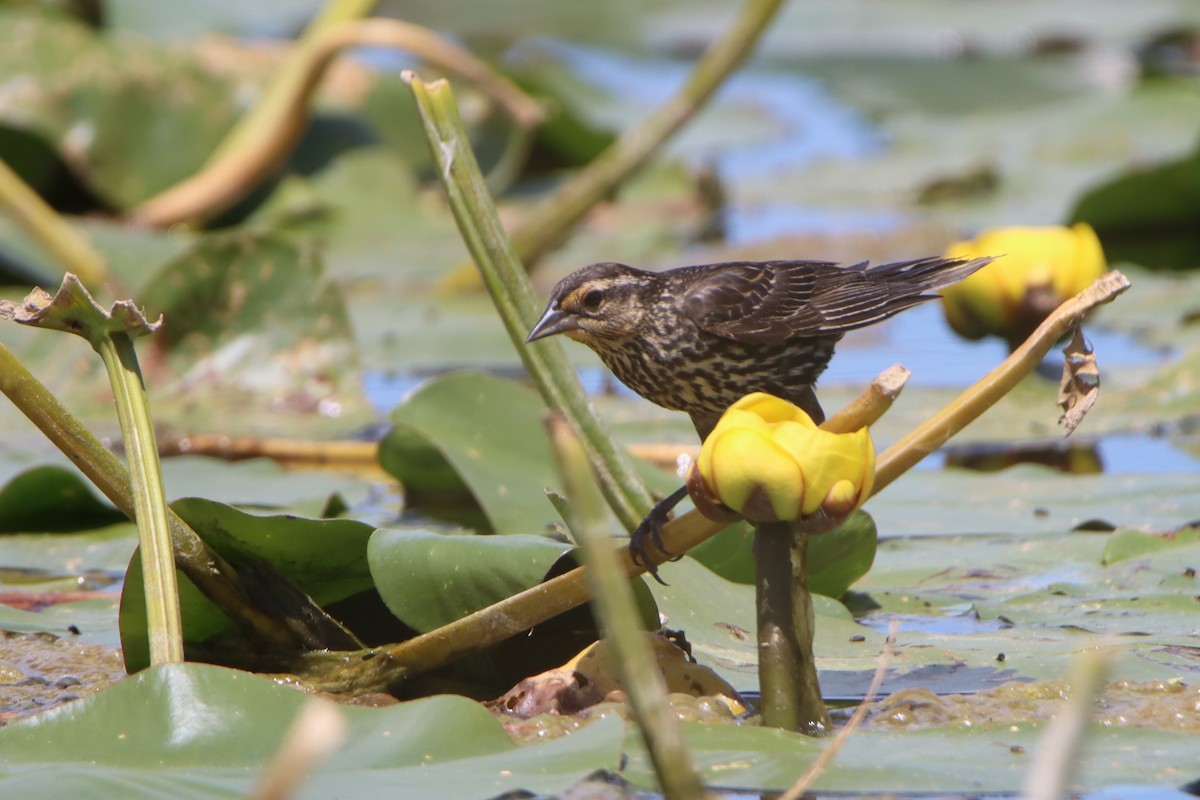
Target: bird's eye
(592, 300)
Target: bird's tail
(877, 292)
(925, 274)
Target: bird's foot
(649, 532)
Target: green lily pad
(1146, 214)
(876, 761)
(258, 483)
(51, 499)
(131, 741)
(1128, 543)
(430, 579)
(718, 618)
(326, 559)
(1030, 499)
(1038, 599)
(490, 432)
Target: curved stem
(230, 178)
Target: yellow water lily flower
(768, 461)
(1035, 270)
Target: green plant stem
(615, 608)
(300, 624)
(513, 295)
(70, 249)
(163, 622)
(544, 225)
(787, 668)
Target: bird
(699, 338)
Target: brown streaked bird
(698, 339)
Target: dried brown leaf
(1080, 382)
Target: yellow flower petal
(769, 461)
(744, 462)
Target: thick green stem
(787, 669)
(513, 295)
(163, 622)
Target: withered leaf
(1080, 384)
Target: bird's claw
(650, 531)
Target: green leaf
(878, 761)
(326, 559)
(430, 579)
(205, 732)
(52, 499)
(1037, 598)
(1127, 543)
(1147, 214)
(490, 431)
(718, 618)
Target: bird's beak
(552, 322)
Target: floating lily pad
(490, 432)
(129, 741)
(430, 579)
(1126, 544)
(129, 117)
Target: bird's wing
(768, 301)
(774, 301)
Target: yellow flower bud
(768, 461)
(1035, 270)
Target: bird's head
(599, 303)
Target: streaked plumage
(699, 338)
